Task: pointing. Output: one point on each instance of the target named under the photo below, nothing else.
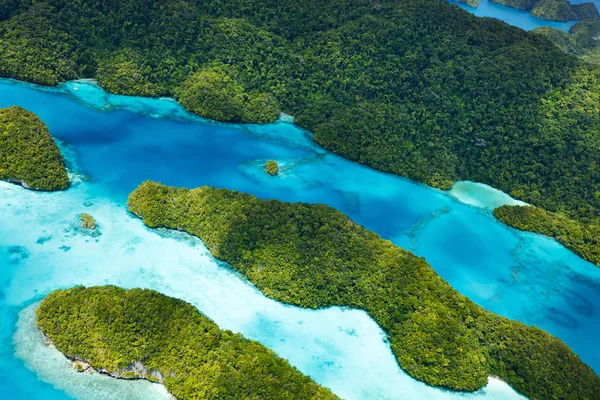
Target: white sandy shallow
(482, 195)
(342, 349)
(51, 366)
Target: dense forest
(554, 10)
(470, 3)
(420, 88)
(28, 154)
(144, 334)
(313, 256)
(581, 238)
(583, 40)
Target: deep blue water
(522, 276)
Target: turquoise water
(52, 366)
(521, 18)
(117, 142)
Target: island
(28, 154)
(418, 88)
(143, 334)
(554, 10)
(581, 238)
(87, 221)
(518, 4)
(563, 10)
(313, 256)
(272, 168)
(470, 3)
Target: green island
(583, 40)
(313, 256)
(419, 88)
(518, 4)
(87, 221)
(28, 154)
(272, 168)
(582, 239)
(554, 10)
(470, 3)
(140, 333)
(563, 10)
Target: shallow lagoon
(341, 348)
(522, 276)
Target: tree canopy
(141, 333)
(419, 88)
(581, 238)
(313, 256)
(554, 10)
(28, 153)
(583, 40)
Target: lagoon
(115, 142)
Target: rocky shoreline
(135, 371)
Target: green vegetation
(214, 93)
(583, 239)
(585, 11)
(87, 221)
(419, 88)
(587, 28)
(470, 3)
(314, 256)
(562, 10)
(144, 334)
(519, 4)
(272, 168)
(28, 154)
(583, 40)
(554, 10)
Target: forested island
(418, 88)
(28, 154)
(87, 221)
(140, 333)
(313, 256)
(470, 3)
(583, 239)
(272, 168)
(554, 10)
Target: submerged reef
(313, 256)
(581, 238)
(140, 333)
